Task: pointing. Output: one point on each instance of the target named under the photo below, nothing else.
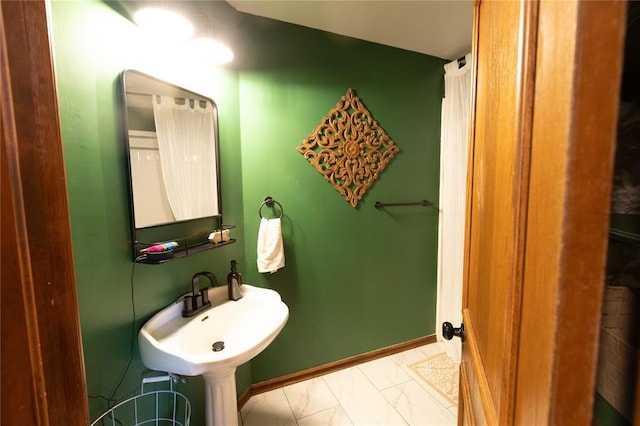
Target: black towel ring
(269, 203)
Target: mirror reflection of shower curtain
(187, 155)
(456, 107)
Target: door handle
(448, 331)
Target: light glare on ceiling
(164, 23)
(211, 51)
(170, 26)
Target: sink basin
(214, 342)
(169, 342)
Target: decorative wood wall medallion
(349, 148)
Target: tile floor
(380, 392)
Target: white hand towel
(270, 248)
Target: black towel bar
(424, 203)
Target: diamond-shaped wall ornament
(349, 148)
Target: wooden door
(543, 134)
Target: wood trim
(597, 68)
(310, 373)
(527, 38)
(488, 412)
(576, 95)
(36, 181)
(244, 397)
(21, 360)
(470, 153)
(465, 411)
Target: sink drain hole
(217, 346)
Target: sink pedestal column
(220, 397)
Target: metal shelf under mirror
(186, 246)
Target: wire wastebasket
(164, 407)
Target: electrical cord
(111, 400)
(132, 338)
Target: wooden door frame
(42, 364)
(577, 52)
(573, 149)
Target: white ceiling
(438, 28)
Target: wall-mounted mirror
(173, 147)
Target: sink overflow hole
(205, 318)
(217, 346)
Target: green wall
(604, 414)
(355, 280)
(92, 45)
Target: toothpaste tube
(160, 247)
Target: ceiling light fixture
(164, 23)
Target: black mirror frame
(171, 231)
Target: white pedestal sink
(191, 346)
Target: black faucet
(199, 299)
